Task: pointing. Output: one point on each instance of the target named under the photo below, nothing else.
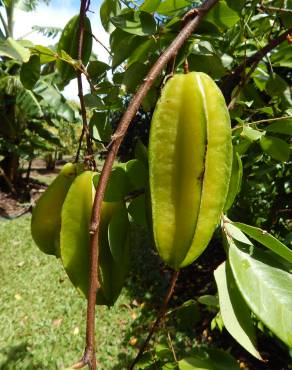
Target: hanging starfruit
(190, 160)
(46, 216)
(113, 240)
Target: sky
(57, 14)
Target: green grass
(42, 317)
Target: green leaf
(134, 76)
(170, 7)
(235, 313)
(222, 16)
(283, 126)
(145, 48)
(236, 234)
(141, 152)
(123, 45)
(65, 111)
(275, 147)
(118, 185)
(13, 49)
(150, 99)
(236, 5)
(282, 56)
(47, 31)
(118, 233)
(266, 239)
(266, 288)
(30, 72)
(208, 359)
(108, 9)
(137, 173)
(27, 102)
(277, 86)
(243, 146)
(235, 180)
(251, 134)
(68, 45)
(208, 300)
(115, 250)
(163, 352)
(209, 63)
(93, 101)
(100, 127)
(46, 55)
(286, 17)
(187, 315)
(96, 69)
(47, 135)
(136, 23)
(137, 210)
(49, 93)
(149, 5)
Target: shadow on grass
(17, 356)
(146, 287)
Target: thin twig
(79, 145)
(262, 121)
(159, 317)
(171, 346)
(85, 131)
(241, 84)
(231, 81)
(274, 22)
(186, 66)
(106, 48)
(130, 113)
(274, 9)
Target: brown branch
(79, 145)
(97, 40)
(240, 86)
(231, 81)
(275, 9)
(158, 320)
(263, 121)
(85, 131)
(130, 113)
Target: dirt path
(15, 205)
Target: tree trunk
(28, 170)
(10, 165)
(50, 162)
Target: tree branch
(130, 113)
(85, 130)
(231, 81)
(266, 120)
(102, 44)
(274, 9)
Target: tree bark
(10, 165)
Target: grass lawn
(42, 317)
